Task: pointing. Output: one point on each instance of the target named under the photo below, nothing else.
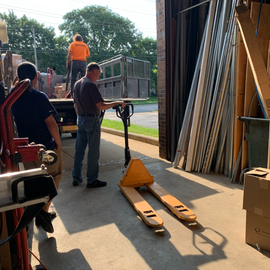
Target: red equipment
(9, 152)
(13, 151)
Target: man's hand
(123, 104)
(108, 105)
(68, 66)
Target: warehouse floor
(99, 229)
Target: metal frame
(132, 82)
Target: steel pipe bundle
(206, 137)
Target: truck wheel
(74, 135)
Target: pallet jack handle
(125, 115)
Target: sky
(141, 12)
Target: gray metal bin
(125, 78)
(257, 134)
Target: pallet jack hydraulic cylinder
(125, 115)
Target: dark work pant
(77, 66)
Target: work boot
(96, 183)
(44, 219)
(52, 216)
(76, 182)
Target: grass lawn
(151, 100)
(133, 128)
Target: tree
(107, 33)
(60, 54)
(146, 49)
(21, 41)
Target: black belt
(88, 115)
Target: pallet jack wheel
(50, 157)
(42, 147)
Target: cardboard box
(258, 231)
(64, 86)
(257, 201)
(57, 89)
(62, 93)
(257, 192)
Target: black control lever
(125, 115)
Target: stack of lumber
(229, 81)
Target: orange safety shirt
(79, 51)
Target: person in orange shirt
(78, 51)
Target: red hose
(38, 259)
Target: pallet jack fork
(136, 175)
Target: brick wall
(160, 13)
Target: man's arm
(53, 129)
(107, 105)
(68, 58)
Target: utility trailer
(123, 78)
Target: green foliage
(151, 100)
(106, 33)
(61, 48)
(146, 49)
(50, 52)
(118, 125)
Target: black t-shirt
(30, 111)
(86, 96)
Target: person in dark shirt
(88, 103)
(34, 118)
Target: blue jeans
(88, 133)
(77, 66)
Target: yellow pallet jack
(136, 175)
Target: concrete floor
(99, 229)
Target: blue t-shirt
(30, 111)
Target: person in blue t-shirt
(34, 118)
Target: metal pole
(192, 7)
(198, 104)
(34, 37)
